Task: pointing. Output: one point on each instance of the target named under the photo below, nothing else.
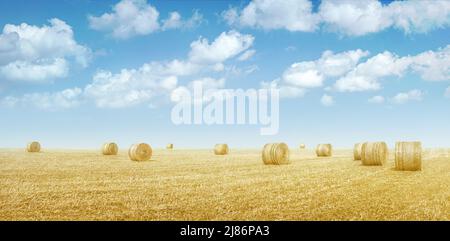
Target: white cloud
(227, 45)
(327, 100)
(39, 71)
(129, 87)
(174, 21)
(402, 98)
(160, 79)
(292, 15)
(354, 17)
(247, 55)
(365, 76)
(304, 75)
(312, 74)
(419, 16)
(431, 65)
(32, 53)
(378, 99)
(64, 99)
(131, 18)
(347, 17)
(353, 82)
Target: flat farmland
(184, 184)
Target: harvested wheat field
(198, 185)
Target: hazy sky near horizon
(74, 74)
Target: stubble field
(198, 185)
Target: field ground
(197, 185)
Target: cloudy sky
(77, 73)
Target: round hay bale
(357, 151)
(408, 156)
(324, 150)
(374, 153)
(221, 149)
(110, 148)
(169, 146)
(140, 152)
(275, 154)
(302, 146)
(34, 147)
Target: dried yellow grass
(169, 146)
(34, 147)
(324, 150)
(302, 146)
(357, 151)
(80, 185)
(374, 153)
(408, 156)
(110, 148)
(275, 154)
(221, 149)
(140, 152)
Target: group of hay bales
(408, 155)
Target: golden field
(198, 185)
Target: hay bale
(275, 154)
(140, 152)
(374, 153)
(34, 147)
(221, 149)
(110, 148)
(357, 151)
(169, 146)
(324, 150)
(302, 146)
(408, 156)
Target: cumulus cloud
(327, 100)
(64, 99)
(160, 79)
(129, 86)
(378, 99)
(354, 17)
(347, 17)
(32, 53)
(311, 74)
(40, 70)
(431, 65)
(404, 97)
(131, 18)
(293, 15)
(226, 45)
(352, 74)
(175, 21)
(365, 76)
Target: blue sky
(74, 74)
